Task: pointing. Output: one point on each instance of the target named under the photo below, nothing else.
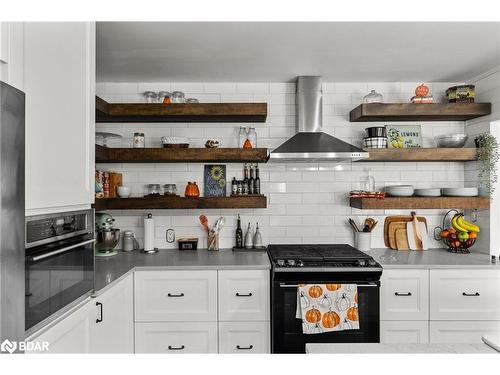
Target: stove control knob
(372, 262)
(361, 262)
(291, 262)
(281, 262)
(300, 263)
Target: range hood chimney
(310, 143)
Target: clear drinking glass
(242, 136)
(151, 96)
(252, 137)
(178, 97)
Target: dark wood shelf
(199, 112)
(418, 112)
(390, 203)
(421, 154)
(164, 202)
(180, 155)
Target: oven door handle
(60, 251)
(296, 285)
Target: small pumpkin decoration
(422, 91)
(330, 319)
(315, 291)
(343, 302)
(247, 144)
(313, 315)
(333, 287)
(353, 314)
(192, 190)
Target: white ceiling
(197, 51)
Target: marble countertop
(399, 348)
(432, 259)
(111, 269)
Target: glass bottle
(242, 136)
(252, 137)
(251, 182)
(239, 234)
(257, 180)
(368, 182)
(373, 97)
(234, 187)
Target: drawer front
(176, 296)
(404, 332)
(404, 295)
(465, 295)
(176, 338)
(244, 337)
(462, 332)
(244, 295)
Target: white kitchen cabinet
(465, 295)
(407, 332)
(174, 296)
(404, 295)
(59, 82)
(459, 332)
(244, 337)
(176, 337)
(12, 53)
(70, 334)
(112, 328)
(244, 295)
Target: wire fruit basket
(458, 234)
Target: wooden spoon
(204, 221)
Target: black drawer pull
(244, 347)
(175, 294)
(243, 295)
(170, 347)
(98, 320)
(471, 294)
(402, 294)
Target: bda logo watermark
(8, 346)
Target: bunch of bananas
(461, 225)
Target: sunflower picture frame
(214, 180)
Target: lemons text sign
(404, 136)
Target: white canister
(363, 241)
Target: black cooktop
(334, 252)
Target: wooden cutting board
(402, 239)
(391, 233)
(398, 218)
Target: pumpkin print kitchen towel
(327, 307)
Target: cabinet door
(462, 332)
(465, 295)
(244, 337)
(12, 53)
(176, 338)
(59, 82)
(244, 295)
(404, 332)
(113, 331)
(404, 295)
(176, 296)
(71, 334)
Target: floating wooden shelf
(199, 112)
(418, 112)
(421, 154)
(179, 155)
(420, 203)
(163, 202)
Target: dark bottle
(245, 179)
(239, 234)
(251, 183)
(234, 187)
(256, 182)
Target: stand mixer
(107, 237)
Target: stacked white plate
(400, 190)
(432, 192)
(460, 192)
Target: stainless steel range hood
(310, 143)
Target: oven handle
(296, 285)
(60, 251)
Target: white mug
(123, 191)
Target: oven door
(58, 276)
(287, 336)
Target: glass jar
(129, 241)
(151, 96)
(192, 101)
(373, 97)
(154, 189)
(164, 97)
(242, 136)
(178, 97)
(139, 140)
(170, 190)
(252, 137)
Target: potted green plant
(487, 153)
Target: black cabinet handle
(402, 294)
(471, 294)
(175, 294)
(243, 295)
(176, 347)
(244, 347)
(100, 306)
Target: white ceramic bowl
(431, 192)
(123, 191)
(400, 190)
(451, 141)
(460, 192)
(174, 140)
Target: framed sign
(214, 181)
(404, 136)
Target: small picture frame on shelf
(214, 180)
(404, 136)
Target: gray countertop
(399, 348)
(432, 259)
(111, 269)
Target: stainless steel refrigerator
(12, 237)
